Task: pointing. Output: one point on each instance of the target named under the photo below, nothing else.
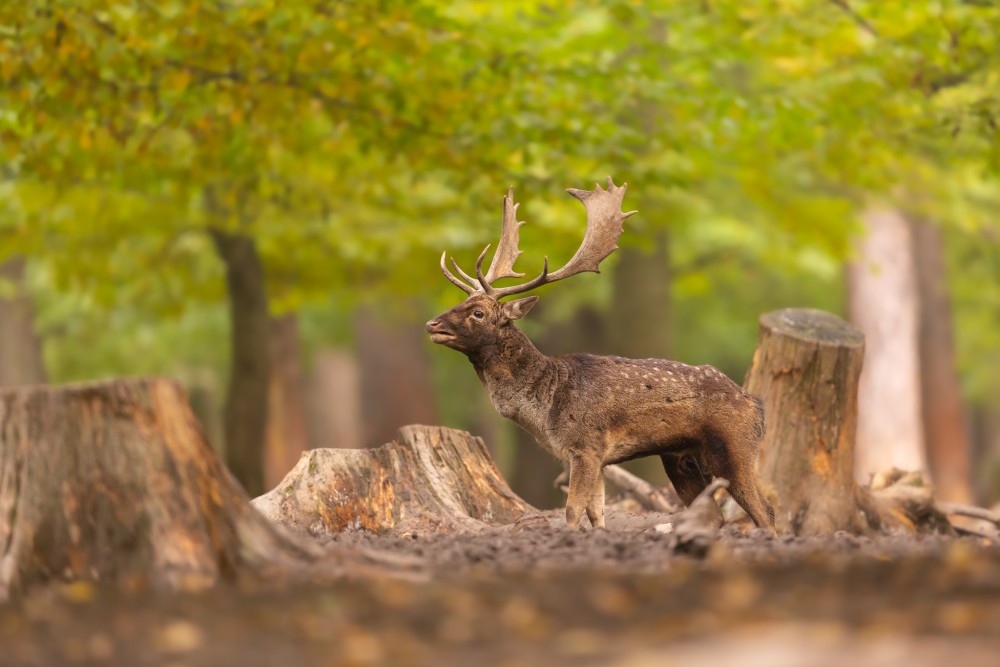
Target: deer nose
(432, 326)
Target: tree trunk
(250, 370)
(986, 438)
(640, 305)
(806, 370)
(883, 305)
(20, 348)
(941, 400)
(334, 401)
(287, 435)
(429, 478)
(395, 375)
(114, 482)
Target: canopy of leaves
(355, 140)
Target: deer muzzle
(439, 331)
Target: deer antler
(502, 265)
(604, 225)
(507, 253)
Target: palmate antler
(604, 225)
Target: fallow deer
(591, 411)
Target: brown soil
(534, 593)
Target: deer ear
(515, 310)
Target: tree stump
(806, 370)
(115, 482)
(428, 478)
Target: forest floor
(536, 593)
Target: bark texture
(428, 478)
(250, 370)
(20, 348)
(945, 433)
(883, 304)
(806, 370)
(114, 482)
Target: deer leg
(746, 491)
(584, 472)
(738, 464)
(595, 507)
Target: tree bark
(395, 375)
(287, 434)
(114, 482)
(250, 371)
(427, 479)
(883, 304)
(20, 348)
(941, 399)
(806, 371)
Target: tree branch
(857, 18)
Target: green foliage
(354, 141)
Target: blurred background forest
(252, 196)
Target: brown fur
(590, 411)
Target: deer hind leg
(747, 493)
(585, 480)
(737, 462)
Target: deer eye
(478, 315)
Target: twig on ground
(969, 511)
(645, 493)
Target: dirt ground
(537, 594)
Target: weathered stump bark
(115, 482)
(806, 370)
(428, 478)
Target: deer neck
(518, 377)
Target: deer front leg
(595, 508)
(584, 482)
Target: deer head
(480, 320)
